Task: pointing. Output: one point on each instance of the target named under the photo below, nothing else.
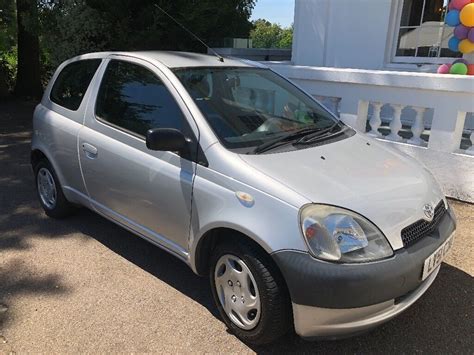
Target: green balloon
(458, 68)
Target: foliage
(7, 25)
(8, 53)
(286, 39)
(270, 35)
(72, 27)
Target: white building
(373, 63)
(372, 34)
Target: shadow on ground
(441, 322)
(17, 279)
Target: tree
(8, 58)
(47, 32)
(270, 35)
(28, 77)
(286, 38)
(72, 27)
(7, 25)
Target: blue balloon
(452, 18)
(453, 44)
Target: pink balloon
(470, 35)
(461, 31)
(459, 4)
(450, 6)
(444, 68)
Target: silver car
(298, 220)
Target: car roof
(175, 59)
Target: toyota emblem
(429, 211)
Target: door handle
(89, 150)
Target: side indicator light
(245, 199)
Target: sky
(279, 11)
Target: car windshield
(247, 107)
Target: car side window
(134, 98)
(72, 83)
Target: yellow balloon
(467, 15)
(466, 46)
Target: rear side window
(72, 83)
(134, 98)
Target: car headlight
(340, 235)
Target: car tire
(50, 193)
(272, 318)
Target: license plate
(435, 259)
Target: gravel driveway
(84, 284)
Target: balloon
(459, 4)
(461, 31)
(450, 6)
(460, 60)
(458, 69)
(470, 69)
(466, 46)
(453, 44)
(470, 35)
(453, 18)
(444, 68)
(466, 15)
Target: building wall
(341, 33)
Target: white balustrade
(396, 124)
(375, 120)
(418, 127)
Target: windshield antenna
(219, 57)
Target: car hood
(358, 173)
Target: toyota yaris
(297, 219)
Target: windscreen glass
(248, 106)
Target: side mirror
(166, 139)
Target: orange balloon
(466, 46)
(470, 69)
(467, 15)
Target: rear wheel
(50, 193)
(250, 293)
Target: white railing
(428, 116)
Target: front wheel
(250, 293)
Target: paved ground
(84, 284)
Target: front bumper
(331, 299)
(327, 323)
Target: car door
(146, 191)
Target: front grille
(422, 228)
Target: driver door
(146, 191)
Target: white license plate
(435, 259)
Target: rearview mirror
(166, 139)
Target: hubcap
(237, 291)
(46, 188)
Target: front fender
(269, 221)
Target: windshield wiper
(284, 139)
(322, 133)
